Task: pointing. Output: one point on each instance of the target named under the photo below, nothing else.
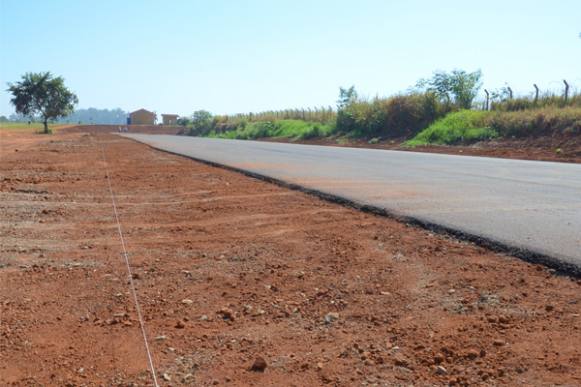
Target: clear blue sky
(239, 56)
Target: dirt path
(229, 269)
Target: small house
(142, 117)
(169, 119)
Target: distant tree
(346, 97)
(500, 95)
(458, 87)
(184, 121)
(3, 119)
(42, 95)
(202, 122)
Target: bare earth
(229, 269)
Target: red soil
(231, 270)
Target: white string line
(137, 307)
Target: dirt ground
(562, 149)
(245, 283)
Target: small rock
(330, 317)
(259, 365)
(438, 358)
(160, 338)
(472, 354)
(440, 370)
(187, 378)
(165, 376)
(400, 360)
(227, 314)
(180, 325)
(319, 366)
(549, 308)
(187, 301)
(498, 342)
(204, 318)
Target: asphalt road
(531, 207)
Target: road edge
(530, 256)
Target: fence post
(509, 92)
(566, 90)
(536, 92)
(487, 99)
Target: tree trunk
(45, 126)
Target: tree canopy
(458, 87)
(42, 95)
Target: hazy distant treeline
(86, 116)
(96, 116)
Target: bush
(294, 129)
(465, 126)
(398, 116)
(538, 122)
(202, 123)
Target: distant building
(169, 119)
(142, 117)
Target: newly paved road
(528, 205)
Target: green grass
(32, 127)
(464, 126)
(293, 129)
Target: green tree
(42, 95)
(346, 97)
(202, 123)
(457, 87)
(183, 121)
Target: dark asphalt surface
(525, 205)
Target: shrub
(202, 123)
(464, 126)
(294, 129)
(397, 116)
(537, 122)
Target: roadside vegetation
(464, 126)
(293, 129)
(439, 110)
